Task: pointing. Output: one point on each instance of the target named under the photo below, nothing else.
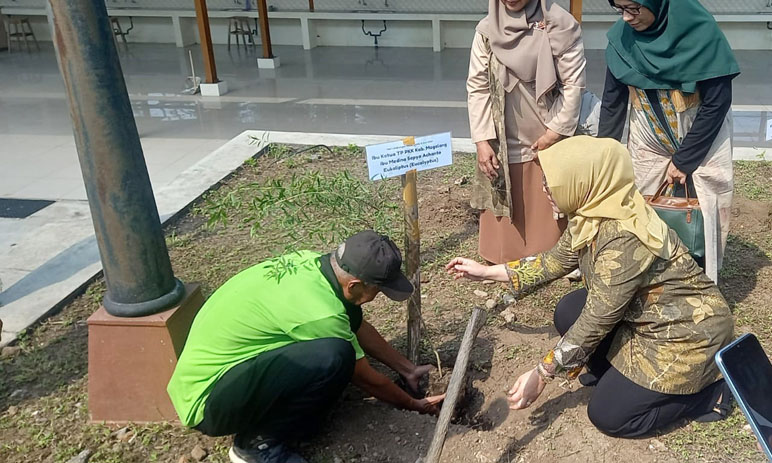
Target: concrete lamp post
(138, 333)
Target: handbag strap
(664, 185)
(660, 190)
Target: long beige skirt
(531, 229)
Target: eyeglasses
(631, 10)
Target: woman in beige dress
(525, 84)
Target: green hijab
(682, 47)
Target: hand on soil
(526, 390)
(430, 405)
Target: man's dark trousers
(280, 394)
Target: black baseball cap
(376, 260)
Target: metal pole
(131, 244)
(413, 261)
(265, 32)
(576, 9)
(202, 17)
(311, 5)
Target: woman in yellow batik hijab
(648, 321)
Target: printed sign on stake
(769, 129)
(420, 153)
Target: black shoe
(588, 379)
(259, 450)
(722, 409)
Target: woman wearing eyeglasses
(526, 78)
(673, 64)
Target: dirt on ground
(43, 396)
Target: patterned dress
(671, 317)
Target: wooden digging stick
(457, 381)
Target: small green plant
(173, 240)
(259, 141)
(306, 207)
(23, 339)
(350, 150)
(277, 152)
(95, 293)
(513, 352)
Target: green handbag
(682, 215)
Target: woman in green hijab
(673, 64)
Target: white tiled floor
(9, 276)
(48, 188)
(48, 231)
(46, 167)
(9, 184)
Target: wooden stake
(265, 32)
(202, 17)
(413, 260)
(576, 9)
(457, 381)
(310, 5)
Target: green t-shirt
(265, 307)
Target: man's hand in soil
(413, 379)
(375, 346)
(382, 388)
(429, 405)
(526, 390)
(461, 267)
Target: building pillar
(137, 270)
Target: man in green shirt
(274, 347)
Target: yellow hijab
(592, 179)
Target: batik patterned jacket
(672, 319)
